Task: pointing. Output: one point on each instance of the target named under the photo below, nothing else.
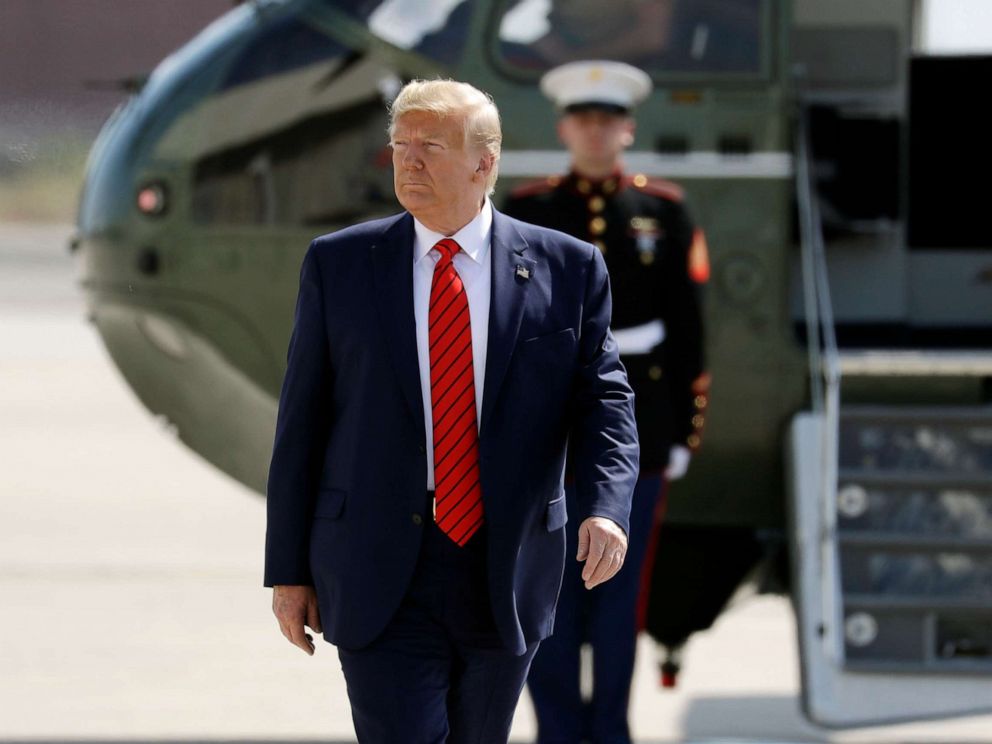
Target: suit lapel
(392, 260)
(506, 305)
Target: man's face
(437, 177)
(595, 135)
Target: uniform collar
(589, 186)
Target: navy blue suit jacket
(347, 483)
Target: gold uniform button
(697, 421)
(700, 401)
(692, 440)
(640, 180)
(584, 186)
(601, 245)
(596, 204)
(609, 186)
(597, 225)
(654, 372)
(647, 257)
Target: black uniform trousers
(439, 671)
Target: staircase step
(979, 481)
(916, 363)
(922, 414)
(854, 601)
(914, 543)
(934, 440)
(898, 572)
(914, 509)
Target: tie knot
(447, 248)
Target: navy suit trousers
(439, 671)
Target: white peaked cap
(592, 82)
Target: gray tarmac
(131, 575)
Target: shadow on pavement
(775, 717)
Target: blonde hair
(452, 98)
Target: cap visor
(610, 108)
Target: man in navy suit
(441, 362)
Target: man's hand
(293, 606)
(603, 546)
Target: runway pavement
(131, 575)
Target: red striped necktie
(457, 491)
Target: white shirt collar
(473, 238)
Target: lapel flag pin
(523, 273)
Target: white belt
(640, 339)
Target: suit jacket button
(417, 519)
(421, 447)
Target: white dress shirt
(473, 266)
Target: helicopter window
(659, 36)
(284, 45)
(433, 28)
(328, 168)
(294, 134)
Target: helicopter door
(949, 271)
(893, 570)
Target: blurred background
(64, 66)
(130, 566)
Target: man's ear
(628, 135)
(485, 164)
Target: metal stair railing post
(824, 365)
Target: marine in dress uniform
(657, 263)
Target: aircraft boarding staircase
(890, 519)
(914, 529)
